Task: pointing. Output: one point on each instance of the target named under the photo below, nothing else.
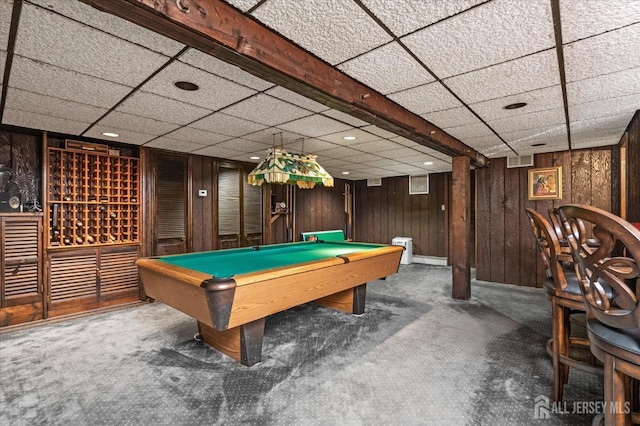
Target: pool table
(231, 292)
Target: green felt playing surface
(227, 263)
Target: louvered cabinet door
(82, 280)
(118, 273)
(21, 297)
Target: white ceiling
(457, 63)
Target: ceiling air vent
(419, 184)
(520, 161)
(374, 182)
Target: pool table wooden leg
(351, 300)
(242, 343)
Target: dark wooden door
(171, 200)
(239, 209)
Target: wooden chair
(613, 323)
(563, 291)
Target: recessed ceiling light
(186, 85)
(538, 144)
(345, 173)
(110, 134)
(428, 163)
(254, 157)
(349, 138)
(516, 105)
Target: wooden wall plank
(528, 251)
(512, 215)
(483, 224)
(633, 169)
(497, 178)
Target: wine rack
(93, 197)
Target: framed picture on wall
(545, 183)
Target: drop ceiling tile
(32, 120)
(135, 123)
(113, 25)
(266, 110)
(451, 117)
(216, 151)
(334, 30)
(360, 158)
(600, 129)
(22, 100)
(398, 153)
(605, 107)
(315, 125)
(428, 98)
(125, 135)
(432, 152)
(227, 125)
(469, 131)
(341, 152)
(603, 54)
(48, 37)
(338, 138)
(334, 162)
(581, 19)
(223, 69)
(596, 142)
(174, 144)
(60, 83)
(481, 143)
(484, 36)
(407, 169)
(214, 92)
(160, 108)
(518, 76)
(616, 85)
(198, 136)
(405, 16)
(345, 118)
(529, 121)
(5, 23)
(378, 131)
(387, 69)
(378, 163)
(243, 145)
(546, 134)
(273, 136)
(536, 100)
(376, 146)
(296, 99)
(313, 146)
(243, 5)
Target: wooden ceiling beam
(220, 30)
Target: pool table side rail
(263, 293)
(277, 292)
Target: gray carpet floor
(416, 357)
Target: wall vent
(520, 161)
(419, 184)
(374, 182)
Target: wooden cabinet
(92, 227)
(93, 198)
(21, 289)
(91, 278)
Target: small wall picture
(545, 184)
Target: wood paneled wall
(633, 169)
(505, 247)
(388, 211)
(320, 208)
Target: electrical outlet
(202, 192)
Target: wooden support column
(461, 228)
